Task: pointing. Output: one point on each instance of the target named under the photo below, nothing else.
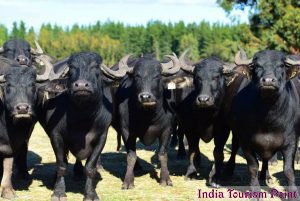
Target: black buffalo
(143, 111)
(199, 106)
(77, 119)
(20, 51)
(265, 114)
(24, 55)
(18, 97)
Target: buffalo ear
(292, 72)
(240, 70)
(57, 86)
(54, 88)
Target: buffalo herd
(77, 99)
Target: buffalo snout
(22, 110)
(269, 82)
(147, 99)
(205, 100)
(82, 86)
(22, 60)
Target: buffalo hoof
(214, 184)
(92, 197)
(167, 182)
(88, 199)
(8, 193)
(269, 180)
(127, 185)
(59, 197)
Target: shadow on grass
(283, 180)
(115, 164)
(46, 173)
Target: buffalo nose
(145, 96)
(268, 80)
(81, 84)
(22, 108)
(203, 98)
(22, 60)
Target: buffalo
(18, 89)
(78, 118)
(199, 106)
(143, 112)
(265, 114)
(24, 55)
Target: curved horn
(1, 49)
(184, 66)
(123, 64)
(241, 58)
(113, 74)
(2, 79)
(228, 68)
(38, 49)
(292, 62)
(172, 66)
(48, 66)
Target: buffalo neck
(150, 114)
(280, 108)
(86, 106)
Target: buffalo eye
(138, 76)
(156, 77)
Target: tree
(3, 34)
(189, 41)
(275, 22)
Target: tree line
(275, 24)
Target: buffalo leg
(130, 144)
(181, 148)
(220, 140)
(264, 173)
(91, 170)
(288, 166)
(230, 165)
(252, 163)
(59, 192)
(119, 142)
(194, 155)
(21, 162)
(6, 184)
(165, 179)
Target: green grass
(42, 168)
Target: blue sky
(69, 12)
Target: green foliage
(114, 40)
(3, 34)
(189, 41)
(275, 22)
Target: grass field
(42, 169)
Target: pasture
(42, 169)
